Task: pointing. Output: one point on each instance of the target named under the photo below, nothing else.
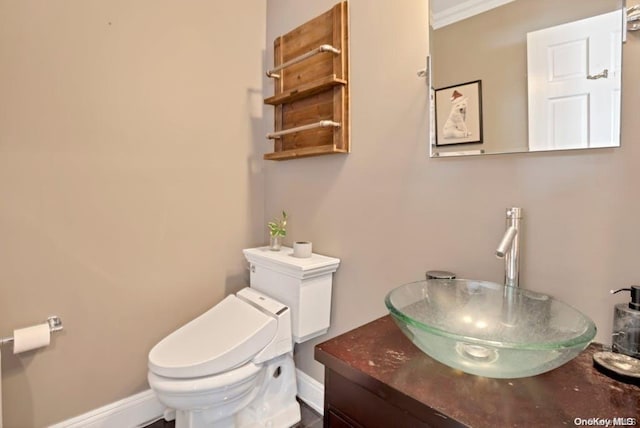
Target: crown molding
(463, 11)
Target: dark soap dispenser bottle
(626, 324)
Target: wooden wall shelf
(311, 85)
(304, 152)
(304, 91)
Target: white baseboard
(310, 391)
(143, 408)
(134, 411)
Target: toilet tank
(304, 285)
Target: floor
(310, 419)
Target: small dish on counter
(619, 364)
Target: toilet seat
(225, 337)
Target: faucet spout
(509, 247)
(507, 242)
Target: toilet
(233, 365)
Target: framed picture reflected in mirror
(458, 113)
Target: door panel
(574, 84)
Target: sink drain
(476, 352)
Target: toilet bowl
(232, 366)
(213, 397)
(250, 396)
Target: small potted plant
(277, 231)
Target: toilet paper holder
(55, 324)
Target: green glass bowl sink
(487, 329)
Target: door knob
(603, 75)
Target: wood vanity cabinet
(348, 404)
(354, 398)
(376, 378)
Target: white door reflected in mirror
(574, 84)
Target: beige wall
(390, 213)
(129, 183)
(492, 47)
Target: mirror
(527, 75)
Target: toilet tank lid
(226, 336)
(283, 261)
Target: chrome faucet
(509, 247)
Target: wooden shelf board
(307, 90)
(304, 152)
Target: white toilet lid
(224, 337)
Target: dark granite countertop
(380, 358)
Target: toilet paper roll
(302, 249)
(26, 339)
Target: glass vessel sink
(487, 329)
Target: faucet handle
(514, 212)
